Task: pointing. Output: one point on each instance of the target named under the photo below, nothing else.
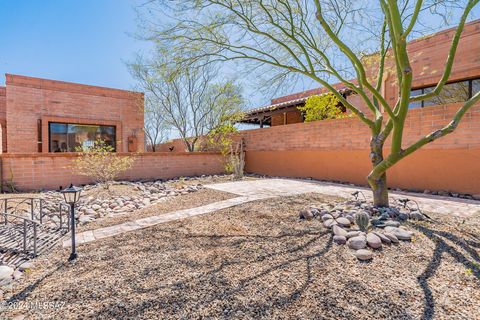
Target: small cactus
(362, 220)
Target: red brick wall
(3, 118)
(49, 171)
(31, 99)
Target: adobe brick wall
(3, 118)
(49, 171)
(339, 150)
(32, 99)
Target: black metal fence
(31, 225)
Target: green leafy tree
(322, 107)
(324, 41)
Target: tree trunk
(378, 184)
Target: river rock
(391, 236)
(364, 254)
(339, 231)
(25, 266)
(339, 239)
(403, 235)
(382, 237)
(6, 273)
(344, 222)
(329, 223)
(391, 223)
(416, 215)
(326, 217)
(306, 214)
(351, 234)
(374, 241)
(358, 242)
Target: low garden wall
(50, 171)
(338, 150)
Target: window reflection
(454, 92)
(66, 137)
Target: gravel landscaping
(259, 260)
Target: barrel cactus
(362, 220)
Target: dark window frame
(422, 102)
(79, 124)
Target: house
(49, 116)
(427, 55)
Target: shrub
(222, 138)
(325, 106)
(101, 163)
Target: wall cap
(56, 85)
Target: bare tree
(191, 99)
(156, 127)
(324, 40)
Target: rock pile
(90, 208)
(384, 225)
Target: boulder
(374, 241)
(364, 254)
(358, 242)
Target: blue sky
(83, 41)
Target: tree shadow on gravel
(22, 295)
(222, 290)
(441, 247)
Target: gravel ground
(169, 204)
(258, 260)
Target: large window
(67, 137)
(451, 93)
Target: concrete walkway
(100, 233)
(289, 187)
(251, 190)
